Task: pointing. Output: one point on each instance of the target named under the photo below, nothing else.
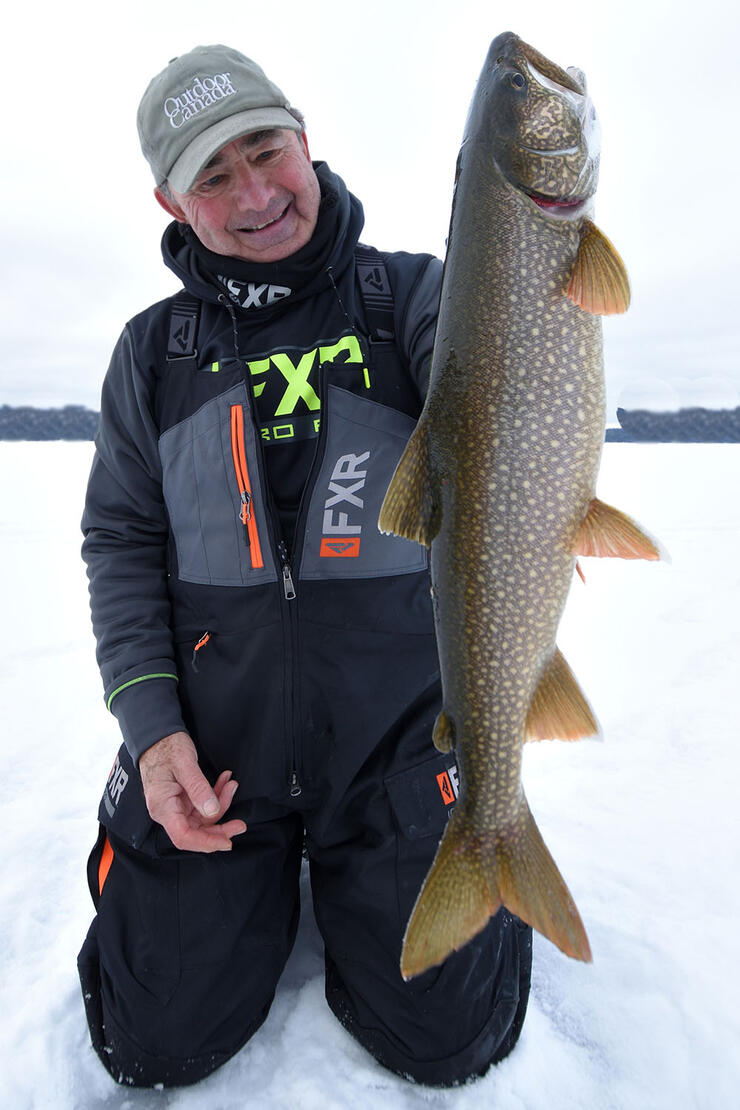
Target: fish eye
(518, 81)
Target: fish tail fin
(531, 886)
(471, 878)
(411, 507)
(454, 903)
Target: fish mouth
(563, 207)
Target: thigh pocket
(422, 799)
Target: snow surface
(644, 826)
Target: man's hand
(180, 798)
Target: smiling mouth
(268, 223)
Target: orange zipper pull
(201, 643)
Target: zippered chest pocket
(213, 496)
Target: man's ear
(304, 140)
(170, 206)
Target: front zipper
(288, 587)
(246, 515)
(290, 614)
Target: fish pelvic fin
(598, 283)
(411, 507)
(559, 709)
(473, 876)
(609, 533)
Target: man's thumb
(200, 792)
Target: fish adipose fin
(559, 710)
(608, 533)
(599, 282)
(444, 733)
(411, 508)
(470, 879)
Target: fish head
(541, 127)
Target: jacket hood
(209, 276)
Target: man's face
(257, 199)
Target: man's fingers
(207, 838)
(180, 798)
(198, 789)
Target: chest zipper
(241, 470)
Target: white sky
(385, 87)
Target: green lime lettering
(298, 384)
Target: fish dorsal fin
(411, 506)
(607, 533)
(559, 710)
(599, 282)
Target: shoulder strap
(183, 331)
(377, 295)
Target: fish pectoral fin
(454, 904)
(443, 736)
(608, 533)
(598, 283)
(412, 507)
(559, 709)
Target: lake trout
(498, 480)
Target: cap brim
(204, 146)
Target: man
(269, 655)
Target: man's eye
(212, 182)
(265, 155)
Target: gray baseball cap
(199, 103)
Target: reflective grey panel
(364, 442)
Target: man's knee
(175, 1044)
(179, 967)
(452, 1023)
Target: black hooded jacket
(240, 588)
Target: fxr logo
(251, 295)
(346, 481)
(449, 784)
(117, 780)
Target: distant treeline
(691, 425)
(694, 425)
(27, 422)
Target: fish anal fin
(559, 709)
(443, 736)
(608, 533)
(411, 507)
(598, 282)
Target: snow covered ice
(644, 826)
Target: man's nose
(251, 192)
